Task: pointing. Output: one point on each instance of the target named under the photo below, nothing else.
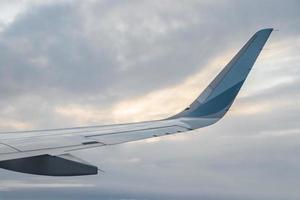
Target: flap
(50, 166)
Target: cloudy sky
(69, 63)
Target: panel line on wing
(11, 146)
(145, 129)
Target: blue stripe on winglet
(216, 104)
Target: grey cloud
(101, 52)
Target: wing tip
(264, 30)
(223, 90)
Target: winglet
(219, 95)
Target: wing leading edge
(48, 152)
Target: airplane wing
(48, 152)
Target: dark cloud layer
(105, 47)
(98, 53)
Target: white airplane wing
(48, 152)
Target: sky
(67, 63)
